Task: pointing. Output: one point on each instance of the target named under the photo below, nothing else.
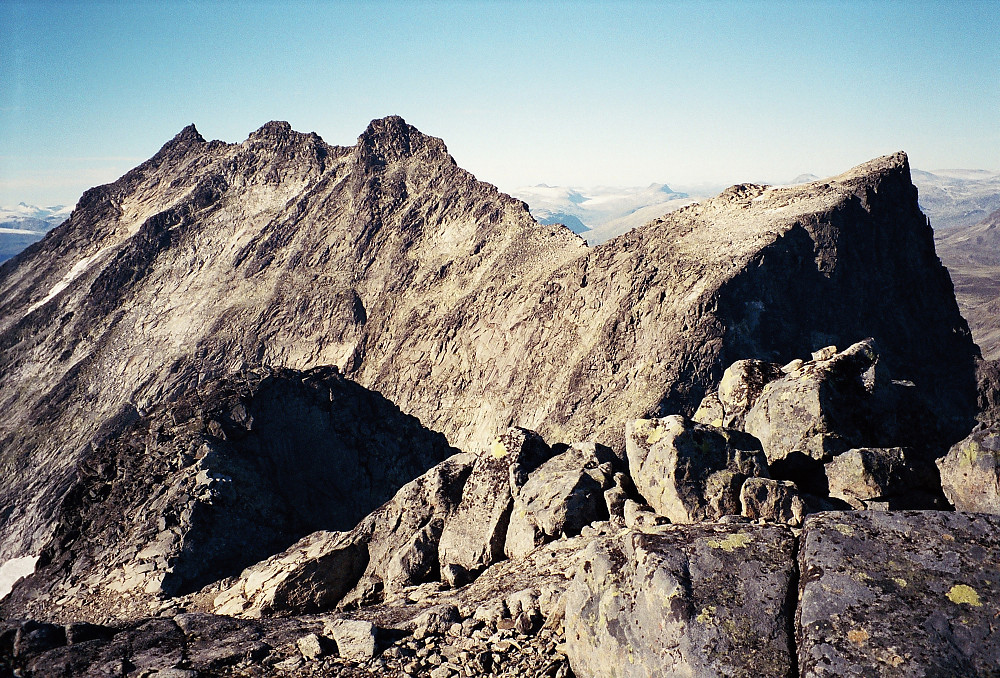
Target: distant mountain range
(22, 225)
(972, 255)
(953, 198)
(600, 213)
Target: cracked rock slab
(906, 593)
(685, 600)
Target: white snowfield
(14, 570)
(20, 231)
(74, 273)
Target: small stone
(311, 646)
(356, 640)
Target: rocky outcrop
(970, 472)
(988, 378)
(691, 600)
(561, 497)
(443, 295)
(898, 594)
(772, 501)
(868, 476)
(475, 534)
(821, 408)
(690, 472)
(227, 475)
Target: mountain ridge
(442, 294)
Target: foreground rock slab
(903, 593)
(693, 600)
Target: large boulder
(909, 593)
(311, 575)
(820, 408)
(393, 548)
(740, 387)
(474, 536)
(560, 497)
(878, 477)
(691, 600)
(690, 472)
(773, 501)
(970, 472)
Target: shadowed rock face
(442, 294)
(225, 476)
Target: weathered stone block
(691, 600)
(970, 472)
(690, 472)
(903, 593)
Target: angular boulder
(691, 600)
(475, 534)
(970, 472)
(772, 501)
(818, 409)
(690, 472)
(907, 593)
(560, 497)
(394, 547)
(741, 385)
(871, 475)
(312, 575)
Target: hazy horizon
(567, 94)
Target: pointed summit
(390, 139)
(187, 138)
(189, 134)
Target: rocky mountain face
(536, 559)
(284, 408)
(972, 255)
(442, 294)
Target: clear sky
(563, 93)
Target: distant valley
(22, 225)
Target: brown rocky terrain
(972, 255)
(283, 408)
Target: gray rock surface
(313, 574)
(393, 548)
(694, 600)
(970, 472)
(740, 387)
(441, 294)
(560, 497)
(871, 474)
(227, 475)
(772, 501)
(474, 536)
(818, 409)
(356, 639)
(690, 472)
(899, 594)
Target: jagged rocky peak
(390, 139)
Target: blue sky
(562, 93)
